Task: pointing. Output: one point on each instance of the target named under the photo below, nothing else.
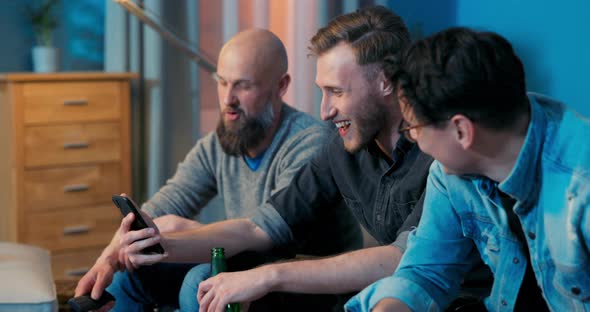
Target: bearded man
(259, 145)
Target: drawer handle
(77, 102)
(77, 272)
(76, 230)
(76, 188)
(75, 145)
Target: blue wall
(551, 37)
(79, 35)
(17, 37)
(425, 17)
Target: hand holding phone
(127, 206)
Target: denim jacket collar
(518, 184)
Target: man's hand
(101, 274)
(391, 305)
(236, 287)
(98, 277)
(133, 242)
(174, 223)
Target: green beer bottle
(217, 266)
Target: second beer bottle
(218, 265)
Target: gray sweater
(207, 171)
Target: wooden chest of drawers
(64, 150)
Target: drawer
(47, 102)
(71, 187)
(73, 264)
(72, 144)
(72, 228)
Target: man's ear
(464, 130)
(385, 86)
(284, 84)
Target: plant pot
(45, 59)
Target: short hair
(461, 71)
(374, 33)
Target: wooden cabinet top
(66, 76)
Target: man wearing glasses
(510, 185)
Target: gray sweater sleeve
(191, 187)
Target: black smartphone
(85, 303)
(127, 206)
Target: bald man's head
(261, 51)
(251, 79)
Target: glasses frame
(405, 131)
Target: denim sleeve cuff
(401, 241)
(392, 287)
(270, 221)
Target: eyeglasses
(404, 129)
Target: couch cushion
(26, 283)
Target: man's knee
(121, 282)
(196, 275)
(190, 285)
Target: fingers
(134, 236)
(121, 258)
(212, 297)
(85, 284)
(124, 259)
(129, 265)
(141, 259)
(217, 304)
(132, 245)
(126, 223)
(136, 248)
(207, 294)
(138, 260)
(96, 292)
(203, 290)
(204, 287)
(103, 279)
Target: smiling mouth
(342, 126)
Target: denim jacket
(463, 220)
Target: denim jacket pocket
(573, 282)
(491, 252)
(486, 237)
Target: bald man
(258, 146)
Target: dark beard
(237, 141)
(370, 121)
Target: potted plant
(45, 56)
